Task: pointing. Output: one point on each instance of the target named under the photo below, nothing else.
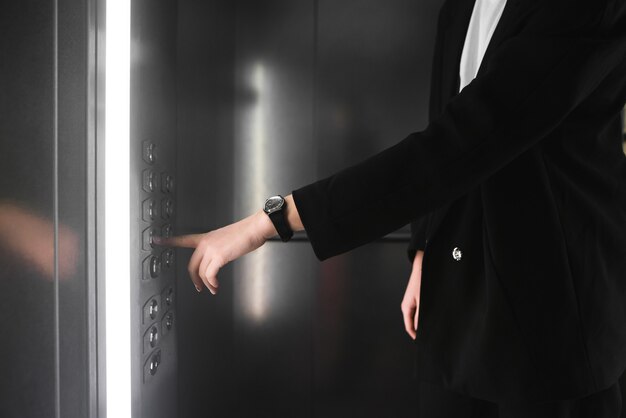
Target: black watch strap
(280, 223)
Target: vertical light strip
(255, 267)
(117, 209)
(92, 239)
(55, 205)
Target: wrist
(417, 261)
(264, 225)
(293, 217)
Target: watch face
(273, 204)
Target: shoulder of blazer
(568, 16)
(558, 13)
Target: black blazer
(523, 173)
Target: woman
(516, 192)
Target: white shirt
(485, 18)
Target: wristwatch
(275, 208)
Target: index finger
(183, 241)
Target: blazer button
(457, 254)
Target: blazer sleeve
(532, 82)
(418, 237)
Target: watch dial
(273, 204)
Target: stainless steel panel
(364, 361)
(153, 155)
(204, 185)
(274, 153)
(28, 367)
(76, 277)
(373, 76)
(374, 61)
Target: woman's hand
(411, 301)
(216, 248)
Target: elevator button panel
(156, 289)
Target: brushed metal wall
(273, 95)
(373, 76)
(274, 152)
(205, 86)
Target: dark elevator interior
(231, 101)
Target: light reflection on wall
(252, 175)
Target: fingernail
(198, 289)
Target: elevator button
(150, 210)
(167, 296)
(149, 152)
(151, 337)
(151, 366)
(151, 267)
(148, 238)
(150, 181)
(155, 361)
(168, 321)
(166, 231)
(167, 208)
(155, 267)
(151, 309)
(167, 258)
(167, 183)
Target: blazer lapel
(510, 21)
(453, 42)
(454, 39)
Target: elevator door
(48, 359)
